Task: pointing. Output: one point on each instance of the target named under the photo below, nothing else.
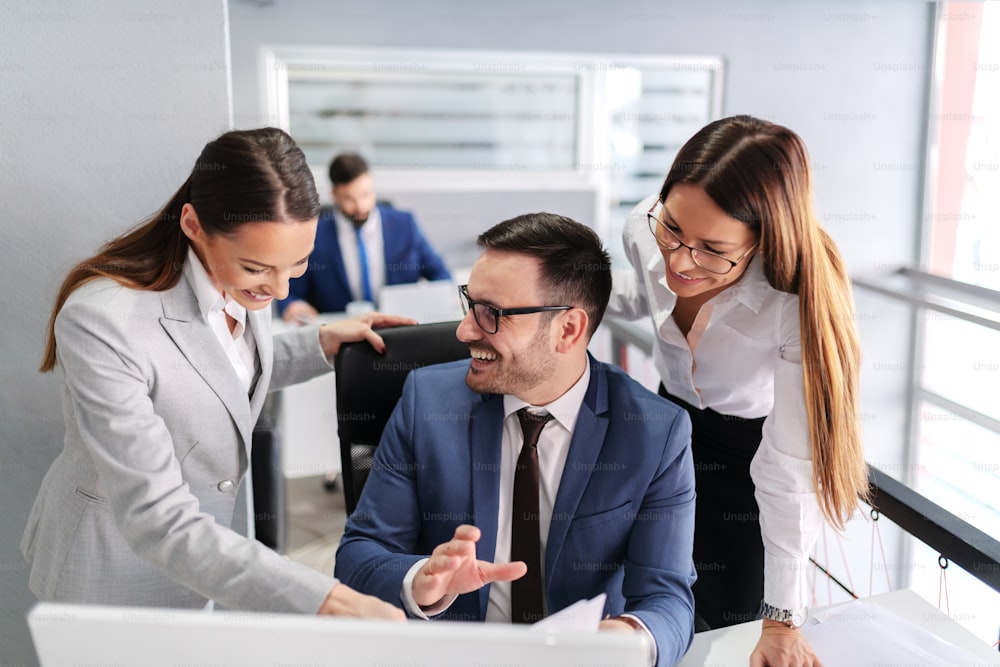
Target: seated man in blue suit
(448, 526)
(359, 248)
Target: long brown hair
(758, 172)
(243, 176)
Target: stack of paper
(862, 633)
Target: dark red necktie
(526, 594)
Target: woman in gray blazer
(163, 345)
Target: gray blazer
(136, 509)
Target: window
(964, 183)
(958, 360)
(498, 120)
(437, 120)
(955, 416)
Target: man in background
(360, 246)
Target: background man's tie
(366, 286)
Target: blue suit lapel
(392, 244)
(584, 448)
(486, 436)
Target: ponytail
(244, 176)
(149, 257)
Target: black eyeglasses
(488, 317)
(705, 259)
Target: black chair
(268, 477)
(369, 385)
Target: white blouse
(371, 233)
(240, 346)
(742, 357)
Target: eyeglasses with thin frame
(488, 317)
(705, 259)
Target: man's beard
(360, 219)
(357, 218)
(532, 366)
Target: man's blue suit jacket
(623, 521)
(408, 258)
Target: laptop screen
(433, 301)
(73, 635)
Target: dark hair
(758, 172)
(346, 167)
(575, 268)
(243, 176)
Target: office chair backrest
(369, 385)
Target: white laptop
(74, 635)
(426, 301)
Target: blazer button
(226, 485)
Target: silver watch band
(791, 617)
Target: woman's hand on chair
(333, 334)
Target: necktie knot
(532, 425)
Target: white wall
(103, 109)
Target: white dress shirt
(371, 234)
(742, 357)
(239, 346)
(553, 448)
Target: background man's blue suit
(623, 521)
(408, 258)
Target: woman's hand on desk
(343, 600)
(353, 329)
(782, 646)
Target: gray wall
(104, 107)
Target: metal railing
(955, 539)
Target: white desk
(73, 635)
(307, 420)
(731, 647)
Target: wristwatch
(793, 618)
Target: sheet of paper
(862, 633)
(581, 616)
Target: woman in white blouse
(755, 337)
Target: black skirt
(728, 551)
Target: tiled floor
(315, 522)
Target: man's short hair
(575, 267)
(346, 167)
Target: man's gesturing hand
(453, 569)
